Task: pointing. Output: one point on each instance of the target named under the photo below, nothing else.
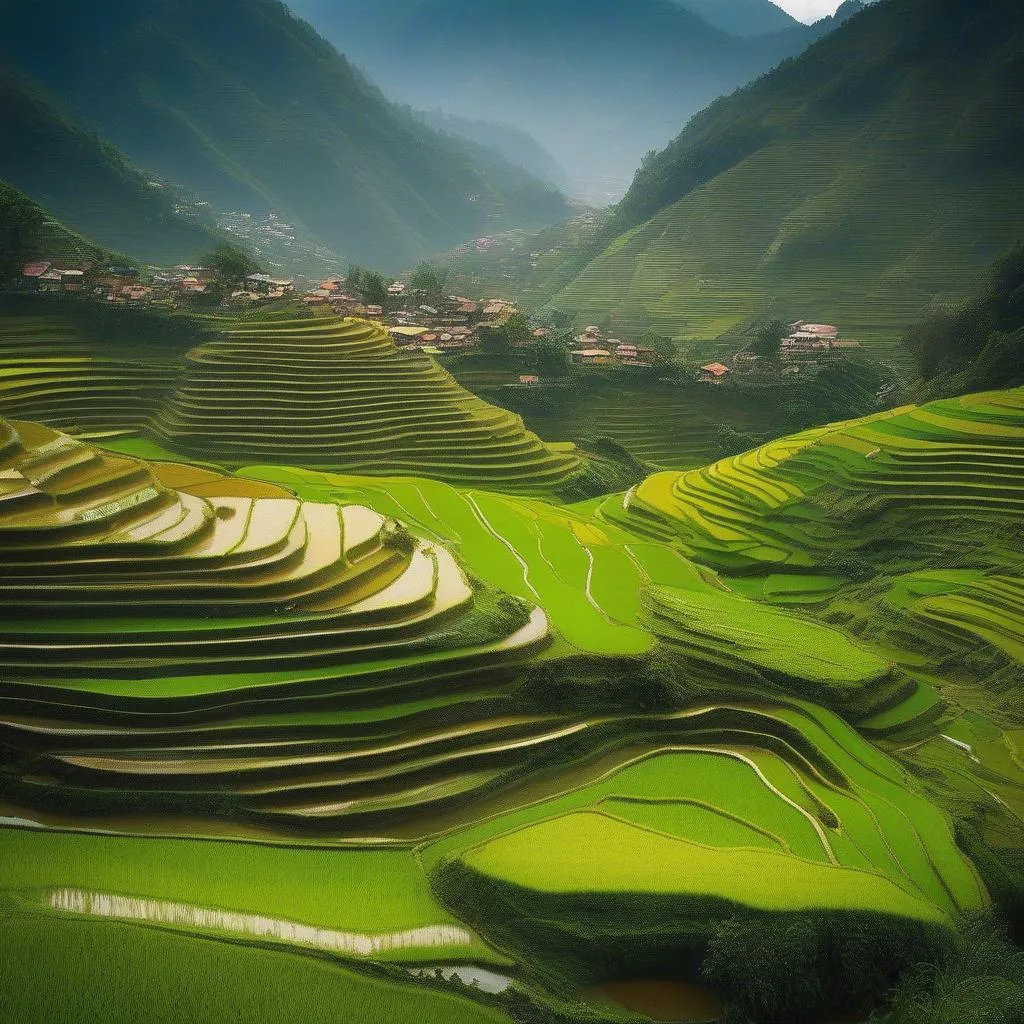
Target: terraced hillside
(52, 371)
(899, 476)
(903, 528)
(833, 183)
(337, 394)
(465, 730)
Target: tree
(767, 341)
(552, 358)
(373, 288)
(231, 263)
(517, 330)
(665, 347)
(429, 279)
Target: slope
(28, 232)
(877, 171)
(574, 73)
(743, 17)
(338, 394)
(87, 183)
(249, 108)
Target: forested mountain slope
(597, 82)
(856, 184)
(246, 106)
(86, 182)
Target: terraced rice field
(337, 394)
(369, 724)
(793, 502)
(51, 372)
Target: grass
(592, 854)
(122, 974)
(371, 890)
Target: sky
(808, 10)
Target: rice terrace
(622, 649)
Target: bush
(795, 968)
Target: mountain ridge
(246, 106)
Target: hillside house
(270, 286)
(625, 351)
(590, 356)
(529, 378)
(713, 373)
(396, 289)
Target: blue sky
(808, 10)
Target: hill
(745, 18)
(87, 183)
(27, 232)
(857, 184)
(597, 82)
(338, 394)
(248, 108)
(279, 656)
(319, 392)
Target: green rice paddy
(314, 726)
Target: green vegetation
(123, 974)
(409, 722)
(84, 182)
(27, 232)
(876, 210)
(249, 109)
(980, 344)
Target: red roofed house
(713, 373)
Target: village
(417, 320)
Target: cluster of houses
(804, 343)
(115, 284)
(593, 349)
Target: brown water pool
(661, 1000)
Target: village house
(396, 289)
(625, 350)
(529, 378)
(713, 373)
(374, 311)
(590, 356)
(274, 288)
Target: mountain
(597, 82)
(516, 146)
(857, 184)
(87, 183)
(744, 18)
(27, 232)
(247, 107)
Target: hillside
(857, 184)
(745, 18)
(319, 392)
(27, 232)
(87, 183)
(597, 82)
(248, 108)
(311, 659)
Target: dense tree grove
(979, 344)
